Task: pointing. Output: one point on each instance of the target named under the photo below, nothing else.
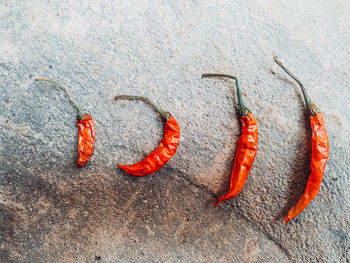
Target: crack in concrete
(251, 224)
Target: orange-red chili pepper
(319, 152)
(166, 148)
(247, 146)
(86, 129)
(86, 139)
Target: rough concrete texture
(52, 211)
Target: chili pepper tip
(286, 219)
(216, 203)
(222, 198)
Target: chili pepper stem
(80, 114)
(311, 107)
(243, 110)
(166, 115)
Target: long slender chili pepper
(319, 152)
(86, 128)
(247, 145)
(166, 148)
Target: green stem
(243, 110)
(311, 107)
(164, 114)
(79, 112)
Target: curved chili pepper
(319, 152)
(86, 129)
(247, 146)
(166, 148)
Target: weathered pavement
(52, 211)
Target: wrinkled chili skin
(86, 139)
(246, 151)
(163, 153)
(319, 158)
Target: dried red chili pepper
(86, 129)
(166, 148)
(319, 152)
(86, 139)
(247, 145)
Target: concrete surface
(52, 211)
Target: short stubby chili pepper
(166, 148)
(86, 128)
(247, 145)
(319, 152)
(86, 139)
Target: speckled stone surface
(52, 211)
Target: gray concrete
(52, 211)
